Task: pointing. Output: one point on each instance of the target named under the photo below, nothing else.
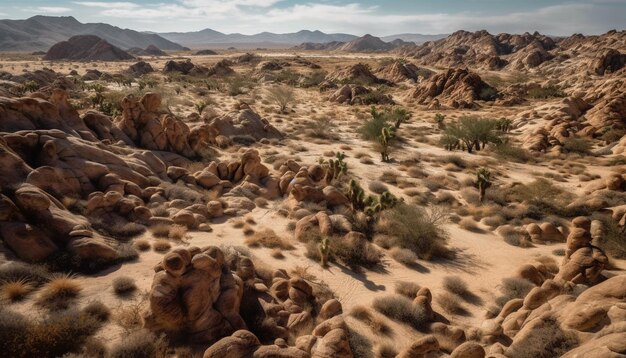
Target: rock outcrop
(86, 48)
(457, 88)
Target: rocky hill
(38, 33)
(148, 51)
(86, 48)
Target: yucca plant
(483, 181)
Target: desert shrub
(364, 315)
(548, 91)
(386, 350)
(402, 309)
(406, 288)
(58, 333)
(469, 224)
(415, 229)
(372, 127)
(321, 127)
(124, 285)
(451, 303)
(456, 285)
(268, 238)
(558, 252)
(613, 240)
(377, 187)
(139, 344)
(118, 227)
(509, 152)
(546, 340)
(15, 290)
(281, 96)
(403, 256)
(488, 94)
(260, 202)
(97, 310)
(142, 244)
(161, 245)
(577, 145)
(513, 287)
(59, 291)
(613, 135)
(355, 253)
(315, 78)
(360, 345)
(177, 232)
(16, 271)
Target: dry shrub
(268, 238)
(15, 290)
(415, 229)
(386, 350)
(356, 252)
(160, 230)
(402, 309)
(456, 285)
(161, 245)
(97, 310)
(250, 220)
(142, 245)
(129, 316)
(16, 271)
(377, 187)
(494, 221)
(389, 177)
(260, 202)
(451, 303)
(59, 292)
(177, 232)
(248, 230)
(60, 332)
(408, 289)
(140, 344)
(124, 285)
(403, 256)
(513, 287)
(238, 224)
(469, 224)
(364, 315)
(549, 262)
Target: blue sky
(556, 17)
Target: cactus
(439, 119)
(383, 140)
(483, 181)
(324, 249)
(356, 194)
(336, 168)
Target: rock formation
(86, 48)
(457, 88)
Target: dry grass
(377, 325)
(238, 223)
(451, 303)
(268, 238)
(124, 285)
(142, 245)
(386, 350)
(129, 316)
(377, 187)
(140, 344)
(97, 310)
(260, 202)
(402, 309)
(403, 256)
(248, 230)
(177, 232)
(469, 224)
(160, 230)
(59, 292)
(161, 245)
(408, 289)
(13, 291)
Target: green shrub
(512, 153)
(488, 94)
(513, 287)
(474, 132)
(549, 91)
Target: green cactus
(356, 194)
(483, 181)
(324, 249)
(336, 168)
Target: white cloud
(251, 16)
(108, 5)
(44, 10)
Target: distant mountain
(208, 37)
(86, 48)
(367, 43)
(417, 38)
(39, 33)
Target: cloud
(250, 16)
(48, 9)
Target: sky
(358, 17)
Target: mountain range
(39, 33)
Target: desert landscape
(461, 195)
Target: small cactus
(383, 140)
